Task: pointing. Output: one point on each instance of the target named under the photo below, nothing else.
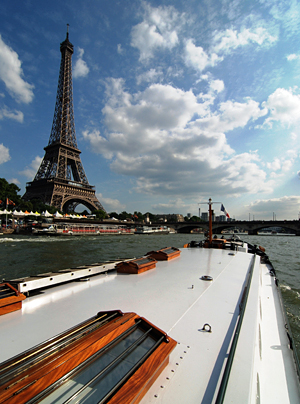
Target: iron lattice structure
(60, 180)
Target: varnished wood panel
(165, 254)
(10, 307)
(138, 385)
(51, 369)
(38, 377)
(11, 303)
(136, 266)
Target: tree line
(11, 200)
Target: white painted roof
(175, 299)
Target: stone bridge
(251, 226)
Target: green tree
(125, 216)
(9, 192)
(138, 216)
(39, 206)
(100, 214)
(192, 219)
(114, 214)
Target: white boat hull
(176, 298)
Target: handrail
(225, 378)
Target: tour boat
(80, 229)
(199, 324)
(152, 230)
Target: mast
(210, 202)
(210, 221)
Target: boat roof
(199, 313)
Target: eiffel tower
(61, 181)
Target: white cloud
(281, 165)
(225, 41)
(232, 115)
(293, 56)
(15, 115)
(286, 205)
(120, 49)
(174, 206)
(81, 68)
(284, 106)
(287, 165)
(275, 165)
(150, 76)
(159, 137)
(294, 136)
(157, 30)
(11, 73)
(111, 205)
(217, 85)
(99, 143)
(30, 171)
(4, 154)
(196, 57)
(14, 181)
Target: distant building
(204, 216)
(168, 218)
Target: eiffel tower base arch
(63, 195)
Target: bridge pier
(252, 232)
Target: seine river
(30, 255)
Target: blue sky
(174, 101)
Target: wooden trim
(11, 303)
(165, 254)
(38, 349)
(51, 369)
(11, 300)
(141, 381)
(10, 308)
(136, 266)
(37, 378)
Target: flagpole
(209, 219)
(6, 213)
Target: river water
(31, 255)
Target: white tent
(57, 214)
(16, 213)
(46, 214)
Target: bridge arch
(251, 226)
